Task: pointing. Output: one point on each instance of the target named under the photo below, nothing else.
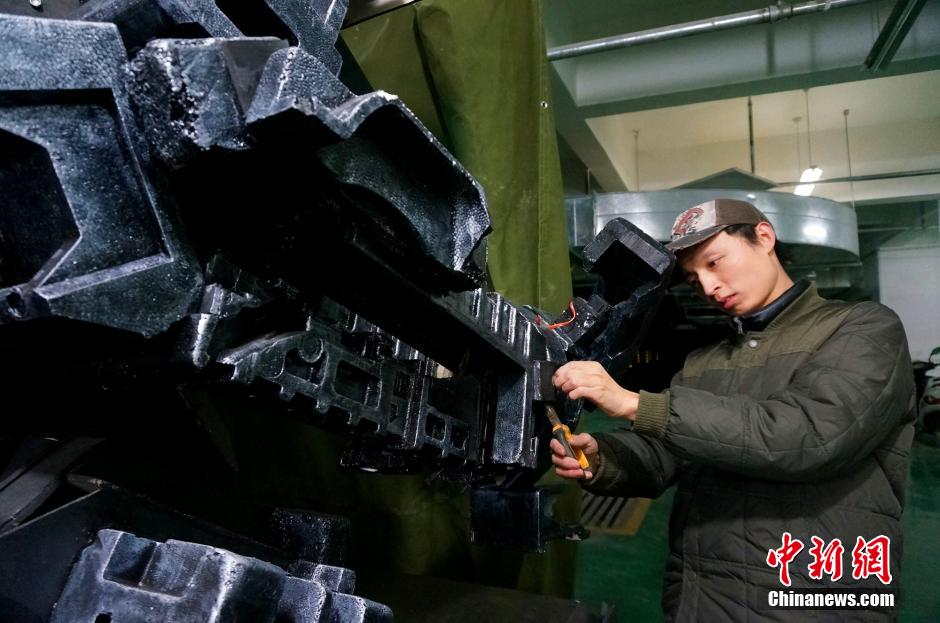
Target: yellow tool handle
(563, 434)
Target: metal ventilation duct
(820, 232)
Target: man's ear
(766, 236)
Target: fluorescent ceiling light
(809, 176)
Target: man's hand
(568, 467)
(589, 379)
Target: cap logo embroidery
(687, 223)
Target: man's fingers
(571, 384)
(585, 391)
(576, 474)
(565, 462)
(585, 442)
(580, 440)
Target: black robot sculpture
(186, 209)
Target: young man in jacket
(788, 442)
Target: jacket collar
(766, 316)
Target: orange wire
(574, 315)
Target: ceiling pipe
(773, 13)
(869, 178)
(896, 27)
(872, 230)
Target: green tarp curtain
(475, 73)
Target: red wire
(574, 315)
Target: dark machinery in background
(193, 202)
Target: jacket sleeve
(841, 404)
(632, 465)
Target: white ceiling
(880, 101)
(687, 131)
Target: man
(797, 426)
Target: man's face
(733, 274)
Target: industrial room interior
(654, 127)
(641, 109)
(558, 117)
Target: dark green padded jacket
(804, 427)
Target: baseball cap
(701, 222)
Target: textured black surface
(135, 579)
(309, 536)
(194, 201)
(30, 584)
(89, 237)
(190, 94)
(129, 578)
(137, 20)
(634, 272)
(315, 25)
